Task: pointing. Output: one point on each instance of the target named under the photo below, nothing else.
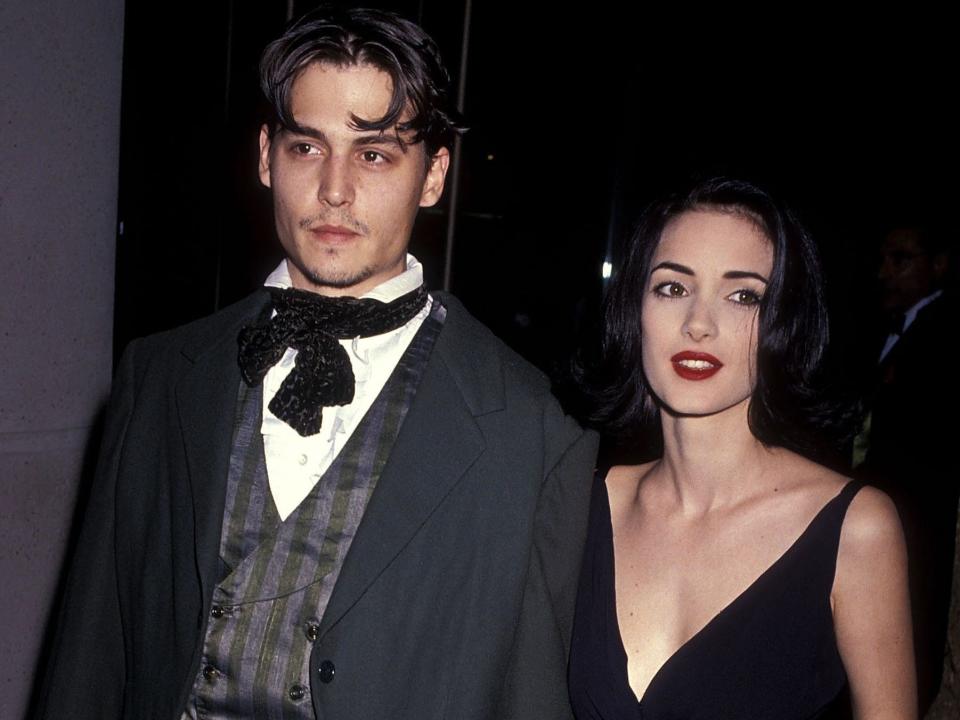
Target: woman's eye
(745, 297)
(670, 289)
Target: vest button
(327, 671)
(210, 673)
(216, 611)
(312, 631)
(297, 692)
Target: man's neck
(388, 290)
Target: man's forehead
(348, 92)
(902, 239)
(325, 84)
(357, 68)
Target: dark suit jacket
(913, 457)
(912, 392)
(455, 600)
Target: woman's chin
(689, 408)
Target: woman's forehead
(715, 238)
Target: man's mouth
(333, 233)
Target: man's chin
(330, 280)
(337, 282)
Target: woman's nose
(699, 323)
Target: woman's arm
(871, 610)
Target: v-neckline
(716, 617)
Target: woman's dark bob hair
(382, 39)
(785, 409)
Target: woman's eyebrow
(676, 267)
(729, 275)
(743, 274)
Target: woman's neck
(711, 461)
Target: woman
(733, 577)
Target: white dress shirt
(296, 463)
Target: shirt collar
(910, 315)
(387, 291)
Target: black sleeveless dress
(771, 653)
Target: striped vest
(277, 576)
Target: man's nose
(336, 182)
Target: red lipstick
(695, 365)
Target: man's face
(907, 273)
(345, 199)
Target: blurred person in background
(908, 444)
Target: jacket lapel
(206, 403)
(437, 444)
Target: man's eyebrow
(380, 139)
(363, 141)
(305, 130)
(676, 267)
(744, 274)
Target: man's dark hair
(786, 408)
(930, 236)
(381, 39)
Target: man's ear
(436, 174)
(264, 167)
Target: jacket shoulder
(492, 377)
(195, 337)
(473, 352)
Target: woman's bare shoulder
(623, 481)
(871, 608)
(813, 484)
(621, 474)
(871, 523)
(872, 526)
(871, 515)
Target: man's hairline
(277, 126)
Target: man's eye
(372, 156)
(744, 297)
(670, 289)
(303, 148)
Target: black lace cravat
(312, 325)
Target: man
(378, 511)
(910, 439)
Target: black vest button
(210, 673)
(216, 611)
(312, 631)
(297, 692)
(327, 671)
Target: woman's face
(699, 314)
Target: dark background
(578, 119)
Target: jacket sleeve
(85, 669)
(536, 680)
